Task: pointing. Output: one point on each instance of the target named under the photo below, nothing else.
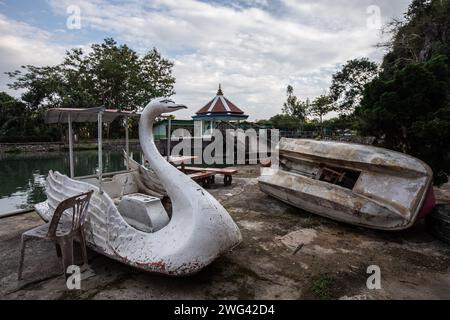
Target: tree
(348, 84)
(343, 122)
(294, 107)
(420, 36)
(407, 106)
(321, 106)
(411, 112)
(19, 124)
(12, 115)
(284, 122)
(110, 75)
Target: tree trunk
(321, 127)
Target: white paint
(388, 194)
(199, 231)
(144, 212)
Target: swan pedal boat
(128, 222)
(357, 184)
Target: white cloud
(22, 44)
(254, 48)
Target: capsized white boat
(357, 184)
(127, 224)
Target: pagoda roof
(220, 108)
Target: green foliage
(293, 116)
(420, 36)
(110, 75)
(12, 115)
(407, 107)
(294, 113)
(321, 286)
(321, 106)
(20, 124)
(411, 112)
(343, 122)
(348, 84)
(284, 122)
(293, 106)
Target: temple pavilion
(218, 113)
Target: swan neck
(151, 152)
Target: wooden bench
(227, 173)
(203, 177)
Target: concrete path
(285, 254)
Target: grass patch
(321, 286)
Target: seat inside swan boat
(141, 211)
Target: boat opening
(339, 176)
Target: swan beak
(178, 107)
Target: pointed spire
(219, 92)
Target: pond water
(22, 176)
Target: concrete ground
(286, 253)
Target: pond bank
(32, 147)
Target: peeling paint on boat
(357, 184)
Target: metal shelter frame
(99, 115)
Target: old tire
(438, 222)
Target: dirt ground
(286, 253)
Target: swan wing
(60, 187)
(147, 177)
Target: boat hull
(184, 246)
(355, 184)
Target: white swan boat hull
(180, 248)
(356, 184)
(142, 234)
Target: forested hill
(423, 34)
(407, 106)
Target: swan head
(165, 105)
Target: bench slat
(215, 170)
(199, 175)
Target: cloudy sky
(254, 48)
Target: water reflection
(22, 177)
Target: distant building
(218, 111)
(161, 128)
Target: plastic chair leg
(58, 250)
(83, 247)
(22, 256)
(67, 253)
